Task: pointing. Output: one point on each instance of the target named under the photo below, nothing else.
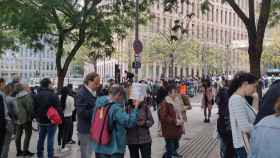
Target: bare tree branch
(238, 11)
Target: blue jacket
(85, 103)
(265, 139)
(119, 121)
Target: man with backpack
(85, 103)
(223, 122)
(44, 102)
(110, 142)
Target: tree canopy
(69, 23)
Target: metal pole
(136, 32)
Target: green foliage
(68, 25)
(275, 13)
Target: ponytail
(239, 79)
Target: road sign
(137, 46)
(136, 65)
(138, 58)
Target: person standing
(85, 103)
(242, 115)
(170, 115)
(11, 118)
(67, 105)
(207, 100)
(24, 122)
(223, 121)
(2, 114)
(268, 100)
(43, 100)
(265, 139)
(139, 137)
(119, 121)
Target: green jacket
(24, 107)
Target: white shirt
(69, 106)
(242, 117)
(91, 91)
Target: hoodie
(119, 121)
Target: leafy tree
(255, 29)
(275, 14)
(69, 23)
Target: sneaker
(19, 153)
(176, 155)
(28, 153)
(65, 149)
(205, 120)
(72, 142)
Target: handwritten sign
(138, 91)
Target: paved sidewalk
(194, 126)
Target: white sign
(138, 92)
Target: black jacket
(43, 100)
(85, 103)
(268, 101)
(161, 94)
(2, 111)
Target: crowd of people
(248, 126)
(109, 119)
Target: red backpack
(100, 131)
(54, 116)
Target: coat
(267, 106)
(85, 103)
(24, 107)
(43, 100)
(167, 116)
(265, 140)
(119, 122)
(141, 134)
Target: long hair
(277, 107)
(64, 94)
(239, 79)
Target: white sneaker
(65, 149)
(59, 148)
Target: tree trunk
(60, 79)
(255, 54)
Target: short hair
(90, 77)
(45, 82)
(117, 89)
(19, 87)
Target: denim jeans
(49, 131)
(240, 153)
(145, 150)
(171, 147)
(97, 155)
(85, 145)
(10, 127)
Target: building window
(212, 34)
(217, 15)
(230, 19)
(226, 14)
(222, 14)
